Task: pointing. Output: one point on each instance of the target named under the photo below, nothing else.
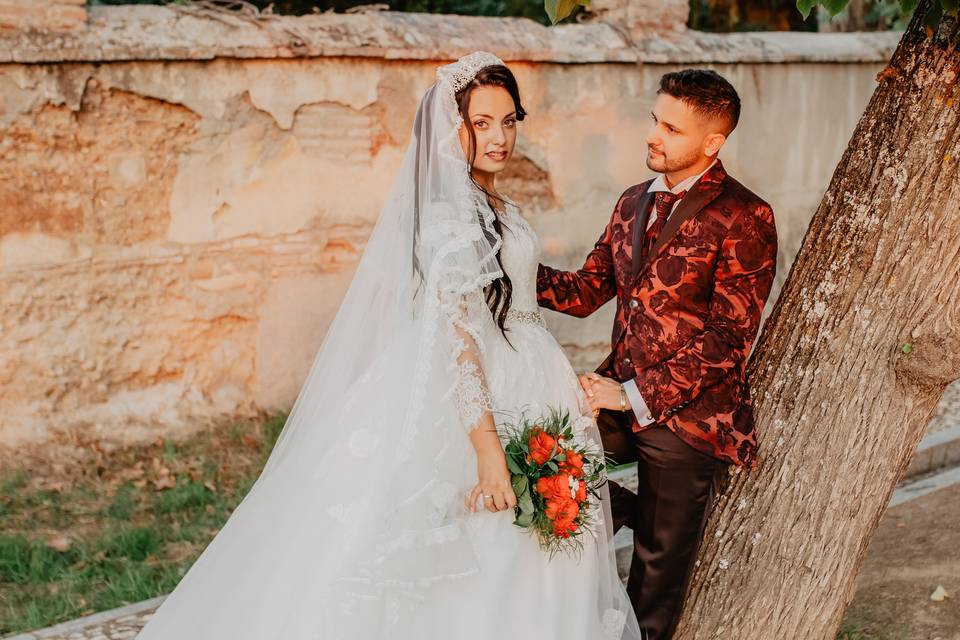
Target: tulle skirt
(520, 591)
(281, 567)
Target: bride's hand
(602, 393)
(494, 483)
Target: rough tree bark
(850, 366)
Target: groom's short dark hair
(706, 91)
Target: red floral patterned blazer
(687, 316)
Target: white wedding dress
(356, 529)
(519, 592)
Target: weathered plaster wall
(178, 225)
(43, 15)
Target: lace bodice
(520, 255)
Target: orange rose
(562, 510)
(555, 487)
(564, 529)
(541, 446)
(563, 513)
(581, 491)
(573, 463)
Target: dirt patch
(915, 550)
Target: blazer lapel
(699, 196)
(640, 219)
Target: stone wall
(43, 15)
(186, 194)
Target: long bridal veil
(358, 513)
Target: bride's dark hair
(499, 293)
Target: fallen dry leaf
(164, 482)
(59, 542)
(56, 486)
(939, 594)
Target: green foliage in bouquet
(556, 478)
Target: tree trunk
(851, 364)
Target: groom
(690, 257)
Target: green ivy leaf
(907, 348)
(550, 6)
(512, 464)
(524, 520)
(521, 486)
(557, 10)
(805, 7)
(834, 7)
(933, 16)
(526, 505)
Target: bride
(385, 510)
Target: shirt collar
(659, 184)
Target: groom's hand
(602, 393)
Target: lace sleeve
(474, 402)
(457, 252)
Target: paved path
(116, 624)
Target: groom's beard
(667, 164)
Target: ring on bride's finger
(485, 496)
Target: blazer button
(626, 361)
(648, 417)
(634, 304)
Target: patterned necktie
(663, 203)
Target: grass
(852, 631)
(121, 538)
(90, 529)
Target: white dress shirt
(639, 406)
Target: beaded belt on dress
(526, 317)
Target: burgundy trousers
(667, 514)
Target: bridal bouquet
(555, 481)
